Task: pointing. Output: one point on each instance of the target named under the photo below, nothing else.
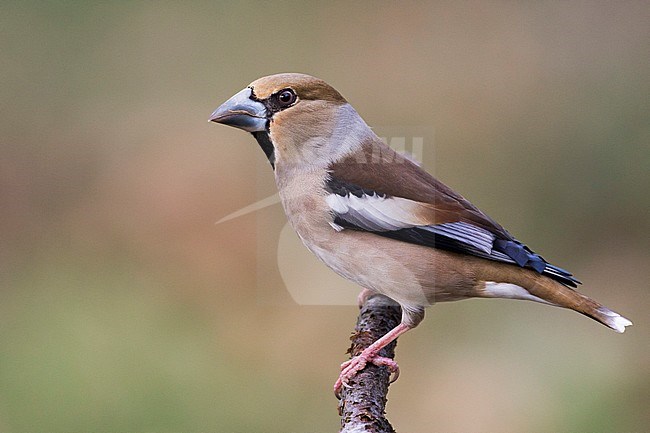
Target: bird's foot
(363, 296)
(350, 368)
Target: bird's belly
(409, 274)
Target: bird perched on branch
(378, 219)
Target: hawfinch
(376, 218)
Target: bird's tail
(543, 289)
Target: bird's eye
(286, 97)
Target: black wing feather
(502, 250)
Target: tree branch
(363, 402)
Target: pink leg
(350, 368)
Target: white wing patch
(381, 214)
(376, 212)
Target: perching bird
(378, 219)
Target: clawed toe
(387, 362)
(350, 368)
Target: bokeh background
(124, 308)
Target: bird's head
(295, 118)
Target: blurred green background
(124, 308)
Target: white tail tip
(614, 320)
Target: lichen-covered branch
(363, 401)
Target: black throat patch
(264, 141)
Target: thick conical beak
(241, 112)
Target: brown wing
(379, 168)
(397, 199)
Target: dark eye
(286, 97)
